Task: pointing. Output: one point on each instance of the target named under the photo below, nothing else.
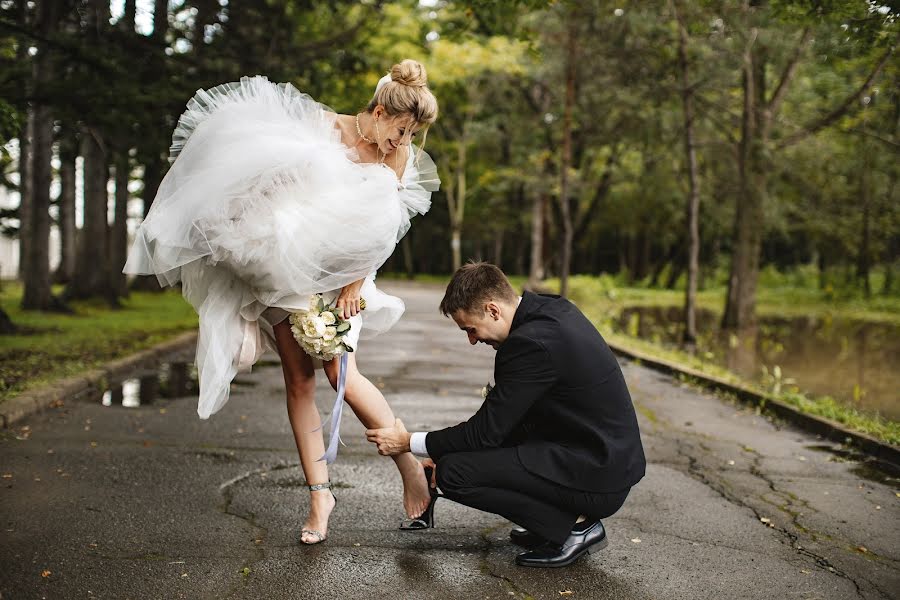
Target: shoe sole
(595, 547)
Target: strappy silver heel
(315, 532)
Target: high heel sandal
(315, 532)
(426, 519)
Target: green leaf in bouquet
(321, 305)
(343, 327)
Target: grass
(54, 346)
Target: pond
(855, 362)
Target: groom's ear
(493, 310)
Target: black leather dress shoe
(587, 539)
(522, 537)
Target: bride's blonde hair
(407, 93)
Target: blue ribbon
(331, 452)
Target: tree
(689, 335)
(37, 294)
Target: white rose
(328, 317)
(320, 326)
(309, 327)
(329, 334)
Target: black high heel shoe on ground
(426, 519)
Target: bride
(273, 197)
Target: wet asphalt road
(151, 502)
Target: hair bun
(409, 72)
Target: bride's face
(396, 131)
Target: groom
(555, 447)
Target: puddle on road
(169, 380)
(865, 466)
(175, 378)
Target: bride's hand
(349, 298)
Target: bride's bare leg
(300, 383)
(373, 411)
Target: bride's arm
(401, 158)
(348, 299)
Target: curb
(93, 381)
(828, 429)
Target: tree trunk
(119, 233)
(863, 260)
(408, 265)
(498, 248)
(24, 162)
(7, 327)
(67, 156)
(536, 270)
(740, 307)
(91, 274)
(153, 175)
(456, 200)
(689, 336)
(565, 163)
(37, 294)
(128, 16)
(25, 185)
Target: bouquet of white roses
(320, 330)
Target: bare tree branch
(790, 71)
(843, 108)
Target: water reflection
(169, 380)
(855, 362)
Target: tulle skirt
(264, 206)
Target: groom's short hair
(474, 285)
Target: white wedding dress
(263, 207)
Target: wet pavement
(132, 496)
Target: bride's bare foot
(315, 529)
(416, 495)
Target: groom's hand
(390, 440)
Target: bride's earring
(378, 141)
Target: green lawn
(53, 346)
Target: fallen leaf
(566, 593)
(862, 549)
(93, 444)
(245, 571)
(45, 573)
(801, 458)
(805, 572)
(7, 476)
(162, 411)
(184, 574)
(636, 540)
(731, 462)
(877, 508)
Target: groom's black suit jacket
(560, 399)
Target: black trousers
(495, 481)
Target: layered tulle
(263, 207)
